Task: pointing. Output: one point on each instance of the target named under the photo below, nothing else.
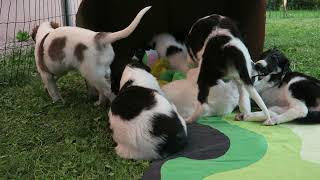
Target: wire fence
(293, 9)
(17, 19)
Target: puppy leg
(257, 98)
(102, 99)
(297, 109)
(244, 101)
(51, 86)
(126, 152)
(202, 97)
(196, 114)
(278, 109)
(260, 116)
(104, 88)
(92, 91)
(257, 116)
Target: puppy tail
(312, 117)
(128, 30)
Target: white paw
(122, 152)
(270, 122)
(97, 103)
(240, 117)
(55, 99)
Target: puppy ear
(34, 32)
(284, 62)
(54, 25)
(286, 67)
(265, 53)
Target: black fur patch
(131, 101)
(172, 131)
(275, 59)
(172, 50)
(127, 84)
(215, 63)
(307, 90)
(139, 54)
(202, 28)
(140, 65)
(276, 78)
(312, 117)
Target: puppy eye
(259, 67)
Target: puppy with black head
(145, 125)
(289, 95)
(174, 51)
(215, 43)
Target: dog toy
(160, 68)
(150, 57)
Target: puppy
(290, 95)
(61, 49)
(214, 41)
(222, 98)
(145, 125)
(175, 52)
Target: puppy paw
(97, 103)
(62, 100)
(55, 100)
(123, 152)
(270, 122)
(239, 117)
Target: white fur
(178, 61)
(95, 66)
(222, 98)
(140, 78)
(133, 137)
(283, 107)
(244, 90)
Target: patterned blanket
(224, 149)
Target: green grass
(41, 140)
(299, 38)
(72, 141)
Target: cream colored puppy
(222, 99)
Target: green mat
(255, 152)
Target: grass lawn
(44, 141)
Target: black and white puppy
(145, 125)
(61, 49)
(215, 42)
(289, 95)
(175, 52)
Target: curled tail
(128, 30)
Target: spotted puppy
(289, 95)
(215, 42)
(61, 49)
(145, 125)
(175, 52)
